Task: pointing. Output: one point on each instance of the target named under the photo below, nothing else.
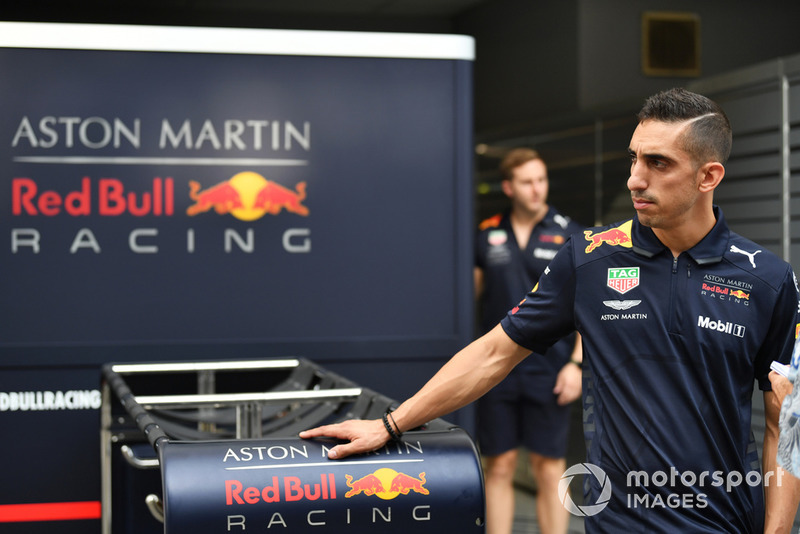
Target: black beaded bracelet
(394, 435)
(396, 426)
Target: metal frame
(249, 407)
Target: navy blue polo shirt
(672, 347)
(509, 272)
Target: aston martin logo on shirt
(621, 304)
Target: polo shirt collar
(710, 249)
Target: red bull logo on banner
(615, 237)
(386, 484)
(247, 196)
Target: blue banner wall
(168, 203)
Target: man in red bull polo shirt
(668, 368)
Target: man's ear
(710, 175)
(506, 185)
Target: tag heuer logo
(623, 279)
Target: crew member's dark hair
(708, 137)
(514, 158)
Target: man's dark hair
(708, 137)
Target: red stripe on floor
(50, 511)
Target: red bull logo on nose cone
(368, 485)
(405, 484)
(620, 236)
(247, 196)
(386, 484)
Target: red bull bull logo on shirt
(620, 236)
(247, 196)
(739, 294)
(386, 484)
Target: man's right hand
(362, 436)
